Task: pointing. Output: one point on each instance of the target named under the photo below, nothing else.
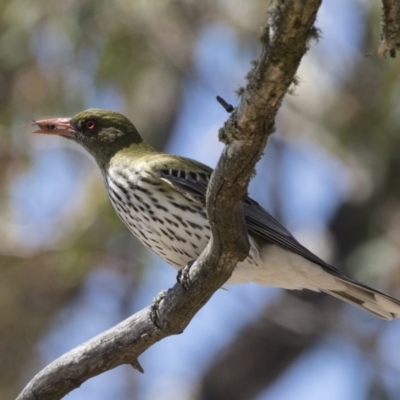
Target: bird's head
(102, 132)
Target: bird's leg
(155, 309)
(183, 275)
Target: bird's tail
(368, 299)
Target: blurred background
(69, 269)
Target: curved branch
(284, 41)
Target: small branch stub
(228, 107)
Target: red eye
(90, 124)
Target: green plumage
(161, 199)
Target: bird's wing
(263, 224)
(259, 222)
(191, 183)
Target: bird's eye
(90, 124)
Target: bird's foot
(155, 309)
(183, 275)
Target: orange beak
(55, 126)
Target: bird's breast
(171, 225)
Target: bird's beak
(55, 126)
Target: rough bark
(390, 28)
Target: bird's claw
(155, 309)
(183, 275)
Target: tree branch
(390, 28)
(284, 41)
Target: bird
(161, 199)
